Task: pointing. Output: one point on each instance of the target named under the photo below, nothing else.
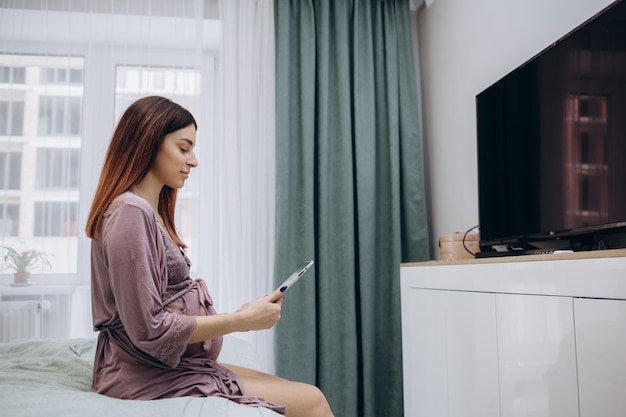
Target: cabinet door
(424, 354)
(601, 346)
(472, 351)
(537, 356)
(450, 354)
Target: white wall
(465, 46)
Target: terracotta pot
(21, 277)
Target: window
(132, 82)
(59, 115)
(9, 219)
(65, 79)
(10, 170)
(61, 76)
(55, 219)
(11, 118)
(58, 110)
(14, 75)
(40, 153)
(57, 168)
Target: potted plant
(21, 263)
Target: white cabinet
(601, 352)
(427, 361)
(537, 337)
(536, 356)
(452, 354)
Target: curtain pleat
(350, 194)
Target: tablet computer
(295, 276)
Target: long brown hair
(133, 148)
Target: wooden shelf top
(608, 253)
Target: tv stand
(530, 335)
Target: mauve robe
(136, 269)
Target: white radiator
(20, 320)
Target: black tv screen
(551, 139)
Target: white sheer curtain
(247, 160)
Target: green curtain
(350, 195)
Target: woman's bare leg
(301, 400)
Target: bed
(52, 377)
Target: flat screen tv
(551, 139)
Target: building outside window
(40, 142)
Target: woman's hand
(262, 313)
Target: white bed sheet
(50, 377)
